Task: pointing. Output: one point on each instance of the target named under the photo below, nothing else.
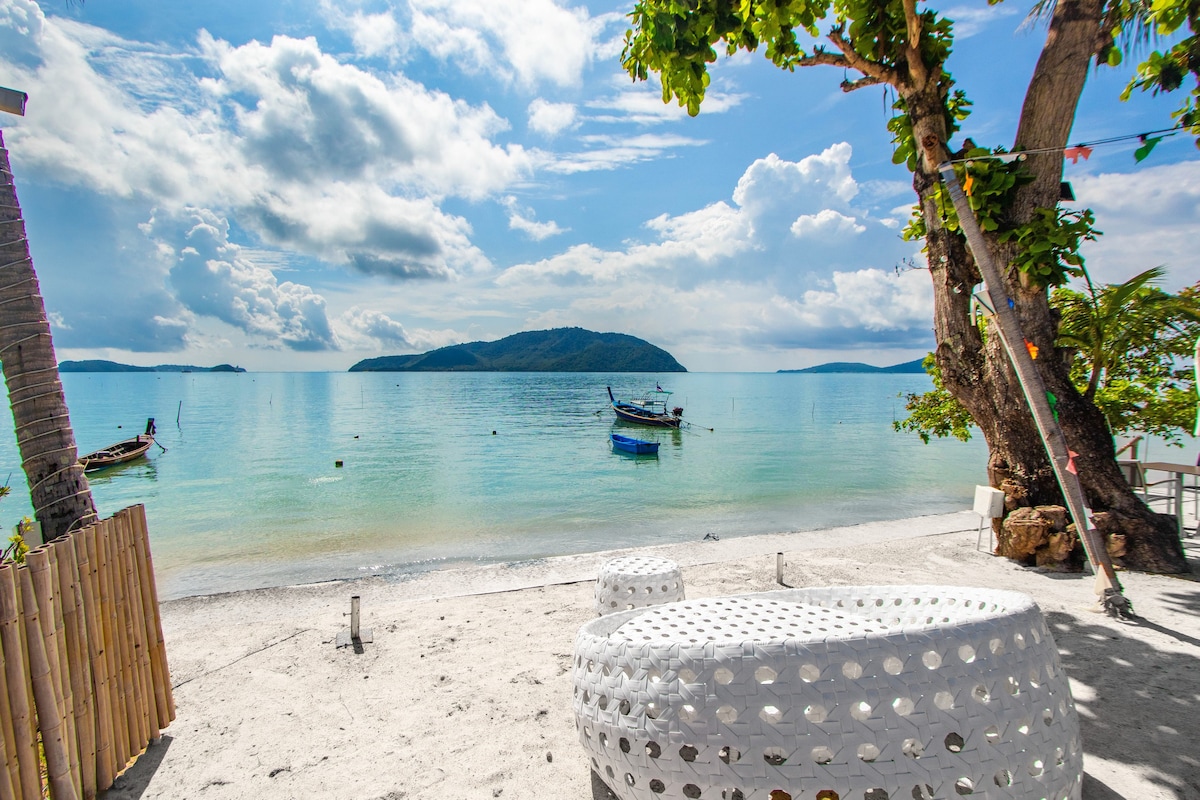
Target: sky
(303, 184)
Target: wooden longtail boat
(119, 453)
(649, 410)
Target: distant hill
(854, 366)
(112, 366)
(557, 350)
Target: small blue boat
(631, 445)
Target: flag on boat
(659, 388)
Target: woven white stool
(636, 582)
(851, 693)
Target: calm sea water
(440, 468)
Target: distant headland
(557, 350)
(854, 366)
(112, 366)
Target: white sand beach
(465, 691)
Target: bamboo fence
(84, 683)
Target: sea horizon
(445, 468)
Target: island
(556, 350)
(113, 366)
(908, 367)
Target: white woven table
(636, 582)
(862, 693)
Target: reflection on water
(446, 467)
(141, 468)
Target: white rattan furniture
(636, 582)
(844, 693)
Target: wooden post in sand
(85, 549)
(71, 595)
(164, 702)
(16, 671)
(49, 708)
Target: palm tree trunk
(61, 497)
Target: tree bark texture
(61, 497)
(978, 372)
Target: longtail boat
(648, 410)
(121, 452)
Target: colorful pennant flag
(1071, 462)
(1053, 404)
(1032, 348)
(969, 183)
(1077, 152)
(1148, 143)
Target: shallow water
(448, 467)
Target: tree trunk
(61, 497)
(978, 373)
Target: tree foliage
(936, 412)
(1014, 194)
(1130, 347)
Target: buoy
(337, 463)
(493, 433)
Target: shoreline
(466, 689)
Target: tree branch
(916, 65)
(850, 86)
(850, 58)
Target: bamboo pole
(81, 667)
(116, 569)
(136, 631)
(143, 614)
(10, 779)
(1108, 586)
(17, 674)
(108, 616)
(85, 549)
(164, 699)
(57, 607)
(50, 718)
(43, 597)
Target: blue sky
(300, 185)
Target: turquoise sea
(444, 468)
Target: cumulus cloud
(529, 42)
(1149, 217)
(734, 274)
(551, 118)
(281, 134)
(213, 279)
(363, 329)
(824, 224)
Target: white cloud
(306, 152)
(212, 279)
(375, 34)
(969, 20)
(611, 152)
(551, 118)
(362, 329)
(825, 224)
(521, 219)
(643, 104)
(828, 172)
(530, 42)
(1149, 217)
